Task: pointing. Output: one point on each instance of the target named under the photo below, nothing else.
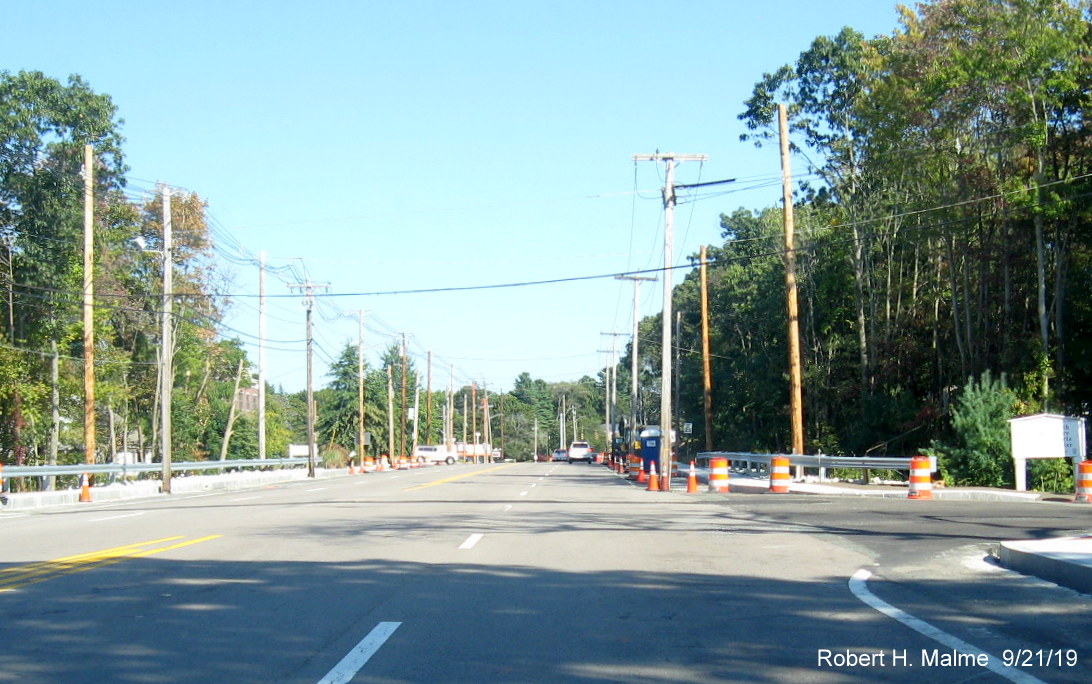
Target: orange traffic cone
(642, 476)
(85, 490)
(653, 480)
(692, 481)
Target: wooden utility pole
(474, 417)
(707, 376)
(796, 384)
(606, 395)
(166, 345)
(402, 443)
(487, 417)
(612, 386)
(261, 355)
(88, 305)
(634, 339)
(390, 411)
(561, 424)
(449, 428)
(360, 379)
(534, 454)
(666, 421)
(308, 289)
(416, 416)
(428, 401)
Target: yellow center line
(9, 575)
(458, 477)
(21, 576)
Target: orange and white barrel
(779, 475)
(1084, 482)
(921, 479)
(718, 475)
(635, 467)
(369, 465)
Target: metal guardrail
(125, 469)
(820, 461)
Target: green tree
(980, 451)
(338, 418)
(44, 126)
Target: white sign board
(298, 451)
(1045, 435)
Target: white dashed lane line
(471, 541)
(361, 653)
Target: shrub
(981, 451)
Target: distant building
(247, 400)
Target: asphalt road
(531, 573)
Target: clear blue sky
(410, 145)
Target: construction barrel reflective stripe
(692, 481)
(653, 479)
(921, 479)
(718, 475)
(85, 489)
(779, 475)
(1084, 482)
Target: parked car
(560, 455)
(579, 451)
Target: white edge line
(361, 653)
(471, 540)
(116, 517)
(860, 590)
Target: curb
(1066, 561)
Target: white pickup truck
(435, 454)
